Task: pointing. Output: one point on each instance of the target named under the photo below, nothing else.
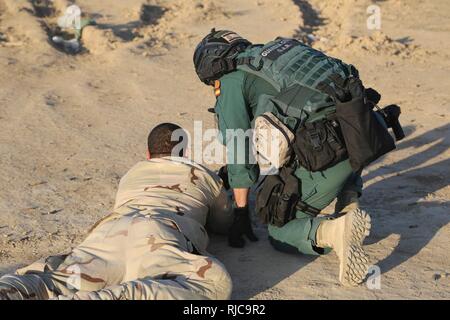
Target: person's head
(216, 54)
(167, 139)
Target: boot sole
(355, 264)
(361, 225)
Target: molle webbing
(286, 63)
(300, 64)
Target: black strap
(306, 208)
(244, 61)
(248, 62)
(230, 64)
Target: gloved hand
(241, 226)
(373, 96)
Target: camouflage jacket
(179, 190)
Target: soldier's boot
(345, 236)
(349, 201)
(24, 287)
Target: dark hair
(160, 143)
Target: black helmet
(215, 55)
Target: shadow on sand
(311, 21)
(149, 15)
(252, 268)
(256, 260)
(398, 204)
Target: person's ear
(148, 155)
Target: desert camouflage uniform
(152, 246)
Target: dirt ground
(71, 126)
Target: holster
(278, 198)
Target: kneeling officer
(318, 105)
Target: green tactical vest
(295, 70)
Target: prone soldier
(151, 246)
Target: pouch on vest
(365, 136)
(318, 142)
(278, 199)
(272, 141)
(319, 145)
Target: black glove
(391, 116)
(223, 174)
(373, 96)
(241, 226)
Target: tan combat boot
(346, 235)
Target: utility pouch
(278, 198)
(319, 145)
(272, 141)
(365, 136)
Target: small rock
(31, 208)
(54, 211)
(50, 103)
(311, 37)
(51, 100)
(3, 37)
(34, 184)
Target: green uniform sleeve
(234, 119)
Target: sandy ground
(71, 126)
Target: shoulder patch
(217, 88)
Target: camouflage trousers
(133, 257)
